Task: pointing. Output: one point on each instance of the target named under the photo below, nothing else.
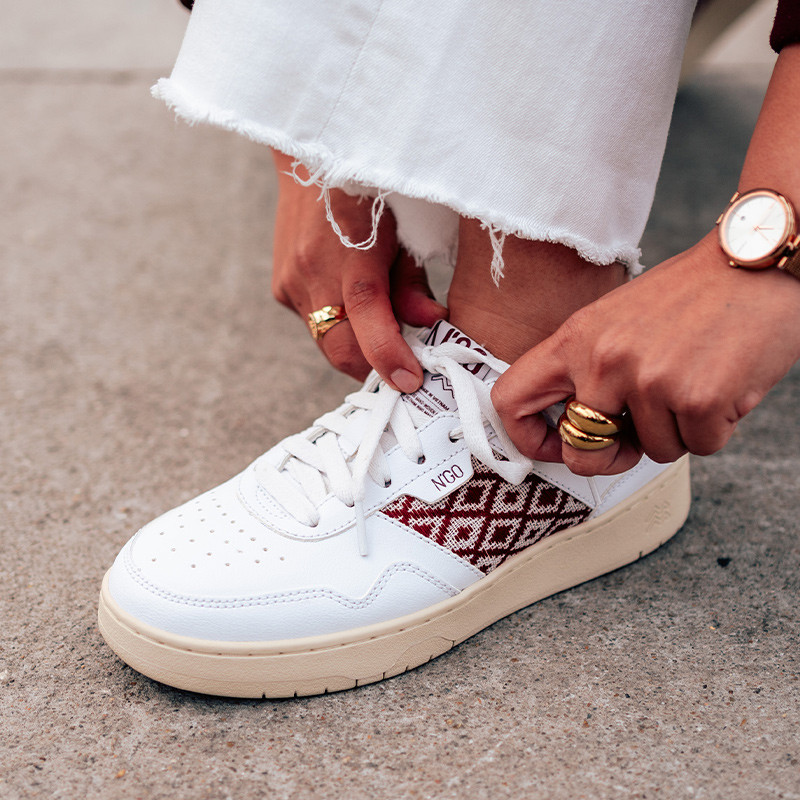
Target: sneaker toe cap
(211, 571)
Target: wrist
(704, 273)
(731, 283)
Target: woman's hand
(378, 288)
(688, 348)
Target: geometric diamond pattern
(488, 519)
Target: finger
(623, 455)
(412, 298)
(533, 382)
(649, 423)
(376, 329)
(657, 430)
(338, 344)
(340, 347)
(706, 437)
(705, 425)
(548, 445)
(281, 293)
(533, 437)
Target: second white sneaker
(392, 529)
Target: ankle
(543, 285)
(504, 336)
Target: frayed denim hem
(330, 171)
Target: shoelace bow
(344, 447)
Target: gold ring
(580, 439)
(320, 322)
(590, 420)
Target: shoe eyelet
(452, 438)
(422, 459)
(387, 484)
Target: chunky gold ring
(590, 420)
(320, 322)
(580, 439)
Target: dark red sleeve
(786, 29)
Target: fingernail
(405, 381)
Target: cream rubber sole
(333, 662)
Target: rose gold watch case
(775, 254)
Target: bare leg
(544, 284)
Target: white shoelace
(328, 460)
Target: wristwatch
(758, 229)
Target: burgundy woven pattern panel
(488, 519)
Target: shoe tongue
(436, 393)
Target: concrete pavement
(142, 361)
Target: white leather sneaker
(394, 528)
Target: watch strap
(791, 261)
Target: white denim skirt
(544, 119)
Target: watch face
(755, 229)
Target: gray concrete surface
(142, 361)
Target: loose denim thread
(498, 238)
(316, 178)
(378, 207)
